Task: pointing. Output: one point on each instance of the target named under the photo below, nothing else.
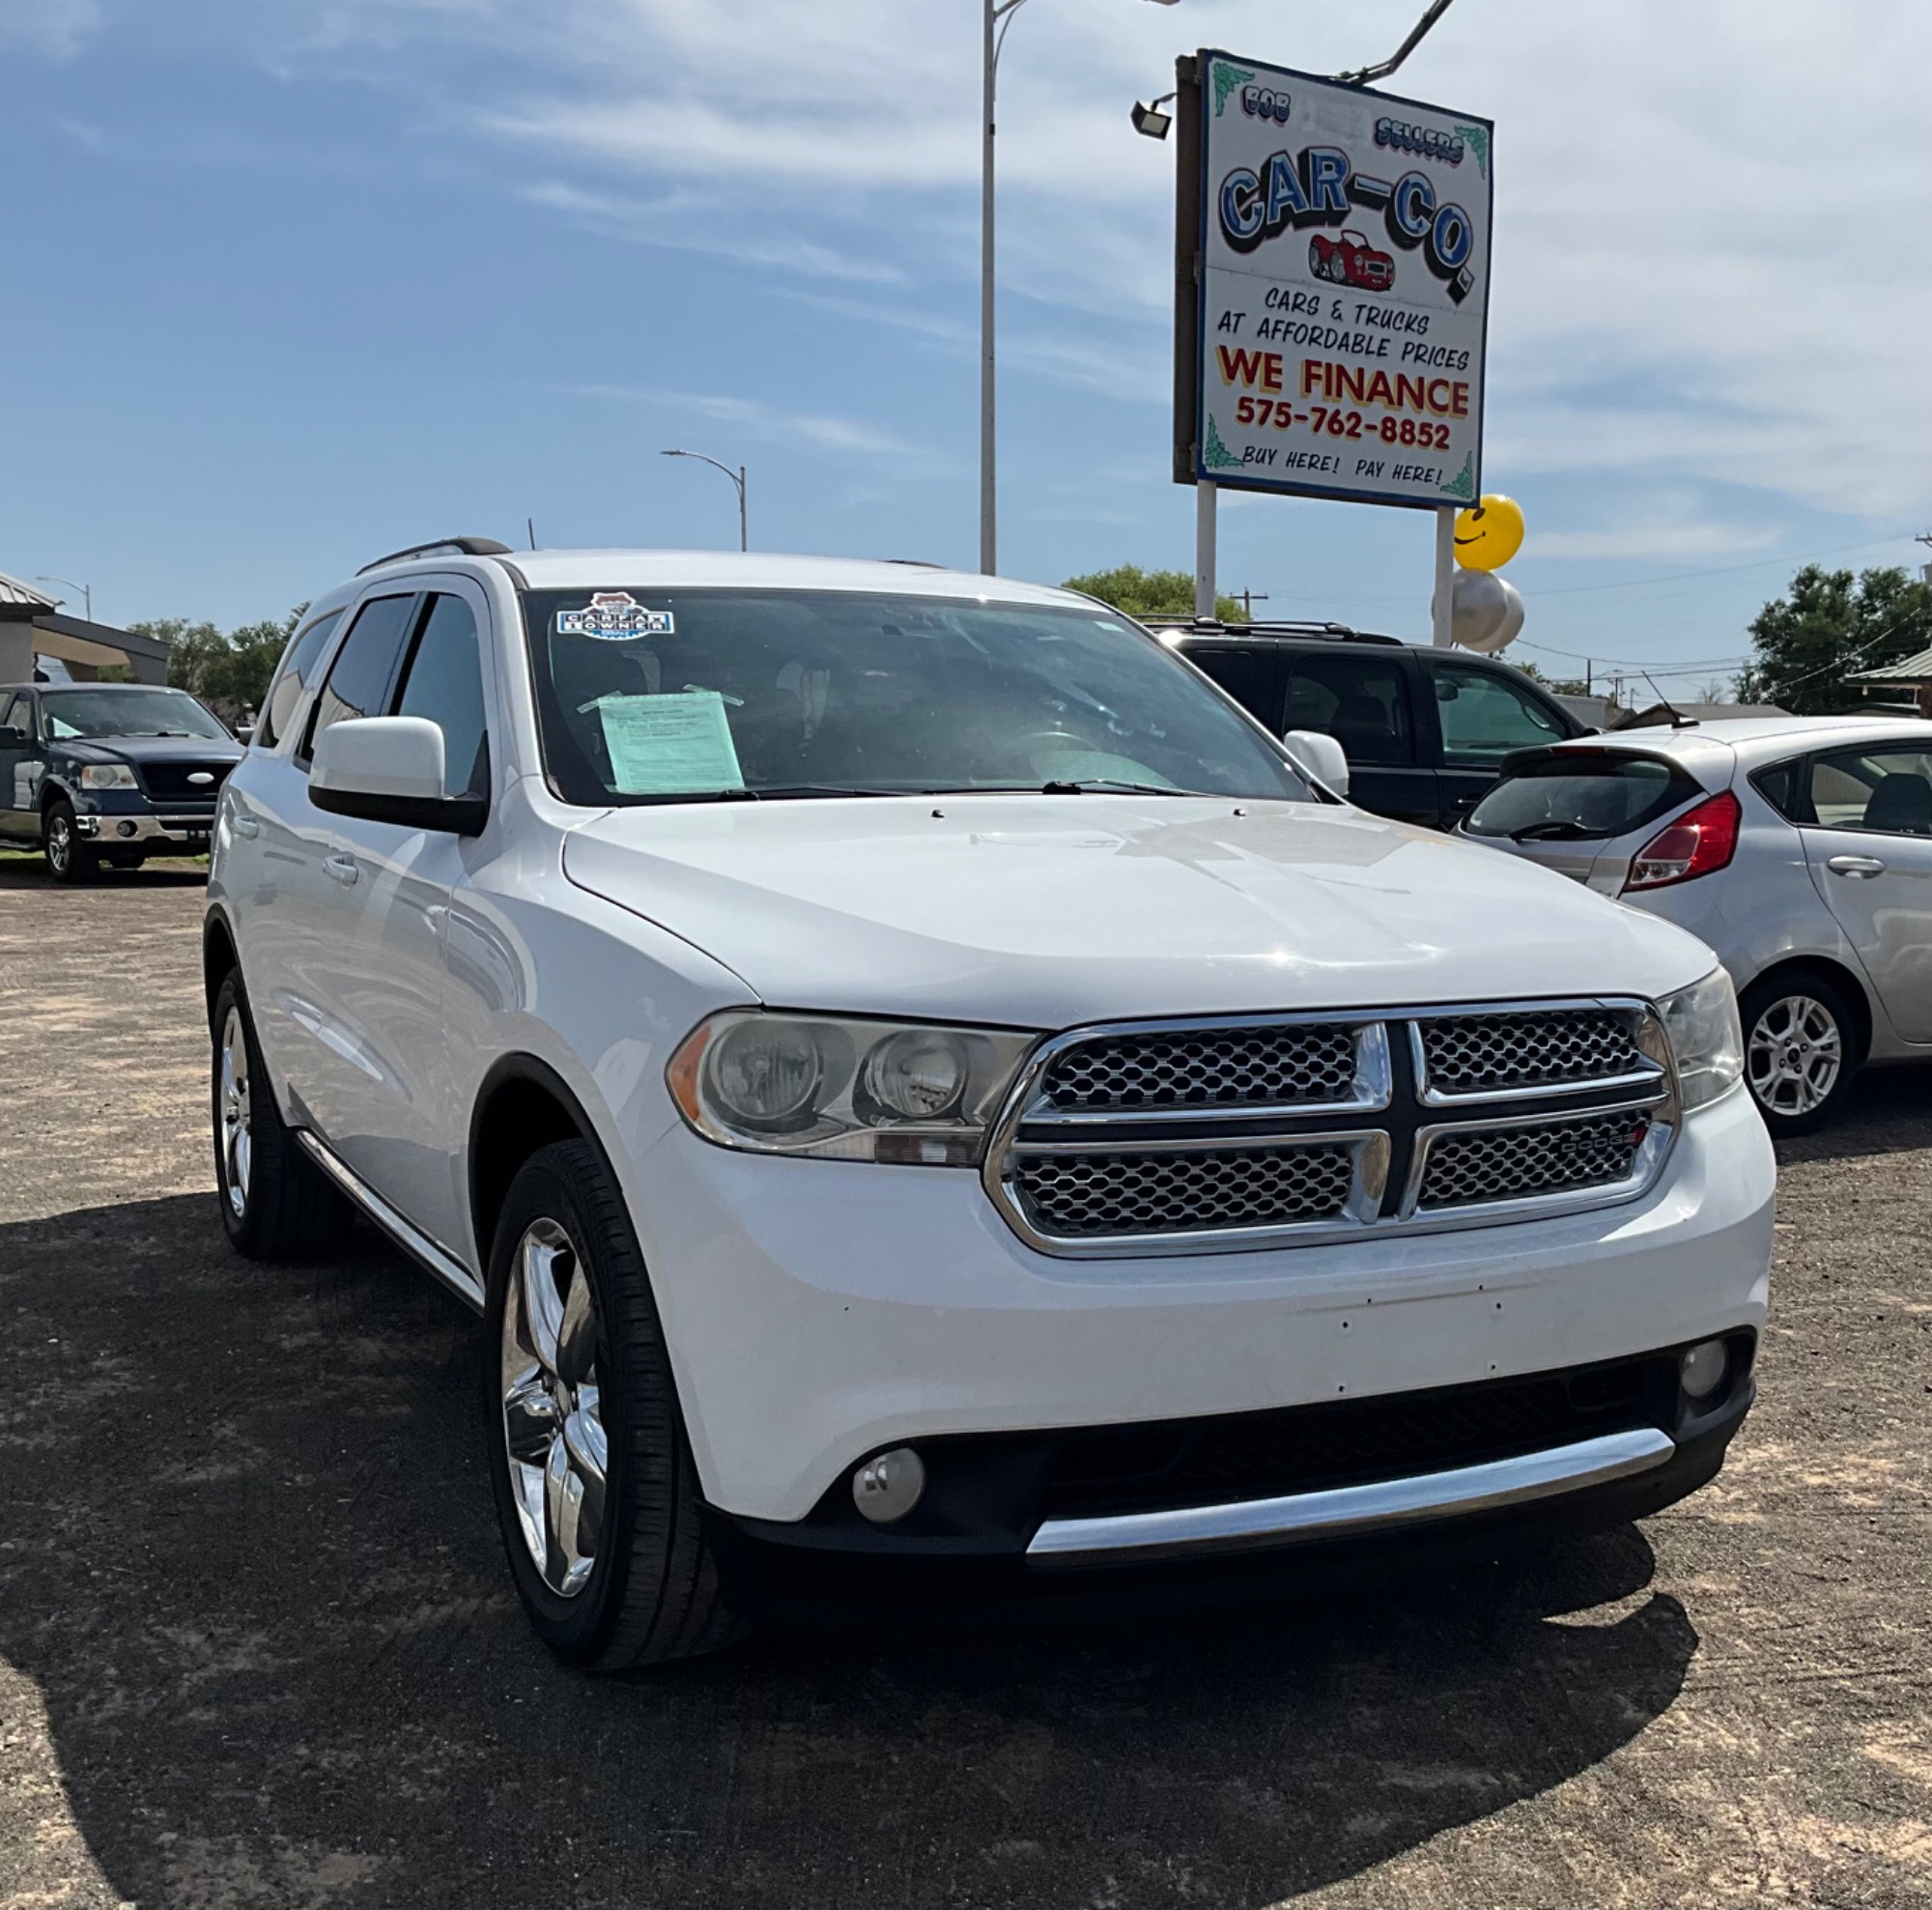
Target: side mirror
(389, 769)
(1319, 757)
(12, 739)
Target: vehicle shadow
(1890, 1112)
(248, 1557)
(19, 871)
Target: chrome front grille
(1230, 1068)
(1463, 1167)
(1214, 1135)
(1076, 1195)
(1464, 1056)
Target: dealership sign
(1334, 289)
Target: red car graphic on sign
(1350, 260)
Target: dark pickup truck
(108, 773)
(1425, 731)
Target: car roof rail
(1333, 633)
(442, 547)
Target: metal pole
(1204, 550)
(988, 504)
(744, 523)
(1445, 575)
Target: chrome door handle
(1861, 867)
(246, 825)
(342, 869)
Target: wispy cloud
(822, 433)
(57, 29)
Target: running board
(1348, 1511)
(420, 1248)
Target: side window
(1787, 787)
(1886, 790)
(364, 667)
(14, 713)
(1484, 715)
(1359, 699)
(292, 678)
(1251, 677)
(445, 684)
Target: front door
(1870, 847)
(19, 767)
(379, 1060)
(1481, 717)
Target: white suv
(918, 1083)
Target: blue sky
(293, 281)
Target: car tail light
(1699, 843)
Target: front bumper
(819, 1312)
(108, 831)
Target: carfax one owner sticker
(1345, 289)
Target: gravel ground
(257, 1645)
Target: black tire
(275, 1203)
(652, 1591)
(70, 859)
(1802, 1014)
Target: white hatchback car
(1800, 849)
(919, 1082)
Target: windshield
(1575, 795)
(690, 695)
(124, 713)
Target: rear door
(1869, 841)
(1360, 693)
(1254, 675)
(1480, 714)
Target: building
(33, 625)
(1661, 716)
(1908, 681)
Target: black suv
(1426, 731)
(108, 771)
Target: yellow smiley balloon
(1490, 533)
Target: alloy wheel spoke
(530, 1419)
(565, 1564)
(577, 1332)
(543, 1304)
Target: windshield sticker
(615, 617)
(670, 744)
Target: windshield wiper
(1554, 832)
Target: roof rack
(440, 547)
(1336, 633)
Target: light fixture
(1151, 120)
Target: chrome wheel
(60, 844)
(237, 1138)
(552, 1423)
(1794, 1055)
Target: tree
(230, 674)
(1830, 625)
(1138, 592)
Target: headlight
(107, 776)
(1701, 1022)
(844, 1089)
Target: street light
(86, 594)
(1151, 120)
(737, 477)
(999, 15)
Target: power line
(1731, 570)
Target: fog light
(1701, 1370)
(127, 828)
(889, 1487)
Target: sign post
(1331, 295)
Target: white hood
(1047, 911)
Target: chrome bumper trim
(105, 829)
(1250, 1524)
(420, 1248)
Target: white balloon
(1501, 627)
(1477, 608)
